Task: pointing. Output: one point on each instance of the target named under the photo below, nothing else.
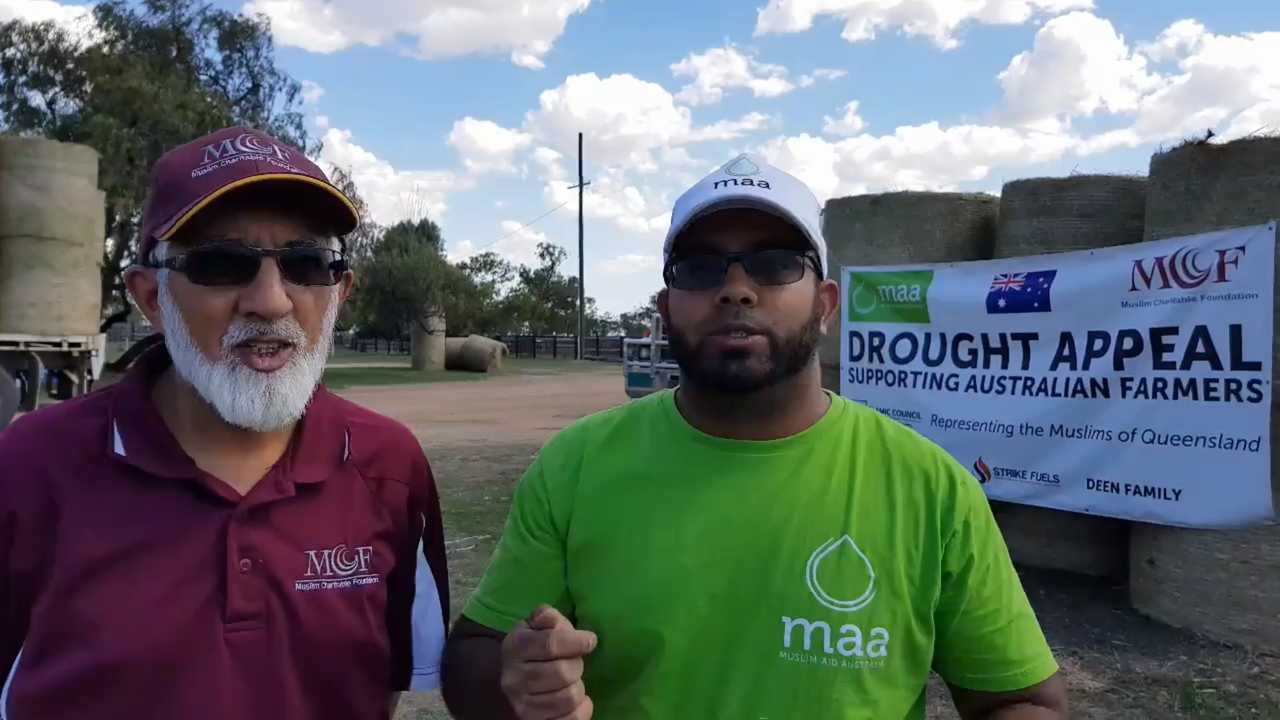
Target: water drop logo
(825, 552)
(742, 167)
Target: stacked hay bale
(1223, 584)
(427, 342)
(474, 353)
(52, 225)
(1050, 215)
(900, 228)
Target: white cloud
(1224, 82)
(439, 29)
(821, 74)
(625, 121)
(615, 198)
(516, 243)
(731, 129)
(311, 92)
(622, 117)
(637, 141)
(630, 264)
(321, 122)
(486, 146)
(1079, 66)
(391, 194)
(936, 19)
(726, 68)
(849, 124)
(1186, 81)
(917, 157)
(71, 16)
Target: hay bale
(52, 225)
(1224, 584)
(1050, 215)
(1221, 584)
(1045, 538)
(453, 352)
(1201, 187)
(474, 353)
(899, 228)
(1082, 212)
(427, 342)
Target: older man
(217, 535)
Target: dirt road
(511, 409)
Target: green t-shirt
(818, 576)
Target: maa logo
(337, 568)
(848, 646)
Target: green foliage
(406, 277)
(137, 81)
(634, 323)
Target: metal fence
(603, 348)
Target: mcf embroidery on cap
(246, 146)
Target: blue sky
(1087, 87)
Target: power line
(522, 227)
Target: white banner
(1131, 382)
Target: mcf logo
(243, 144)
(340, 561)
(1185, 269)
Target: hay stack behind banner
(1049, 215)
(899, 228)
(52, 225)
(1081, 212)
(1224, 584)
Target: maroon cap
(189, 177)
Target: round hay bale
(453, 352)
(1050, 215)
(898, 228)
(474, 353)
(1201, 187)
(1224, 584)
(1221, 584)
(38, 156)
(1045, 538)
(52, 224)
(1082, 212)
(427, 342)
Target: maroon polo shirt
(137, 586)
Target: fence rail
(602, 348)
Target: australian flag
(1024, 292)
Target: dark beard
(735, 373)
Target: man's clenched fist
(542, 667)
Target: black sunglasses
(765, 267)
(231, 264)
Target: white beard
(242, 396)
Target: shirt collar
(321, 442)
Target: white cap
(749, 182)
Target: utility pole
(582, 294)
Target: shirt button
(245, 565)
